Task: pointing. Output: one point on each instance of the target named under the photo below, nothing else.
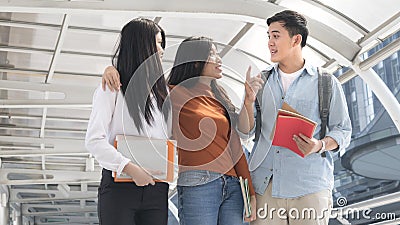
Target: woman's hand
(253, 205)
(252, 86)
(111, 79)
(139, 175)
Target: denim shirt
(294, 176)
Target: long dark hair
(190, 59)
(140, 69)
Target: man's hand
(307, 145)
(111, 79)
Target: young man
(291, 189)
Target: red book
(288, 124)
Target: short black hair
(294, 22)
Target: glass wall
(362, 103)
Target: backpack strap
(265, 74)
(324, 95)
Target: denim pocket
(192, 179)
(197, 177)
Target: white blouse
(110, 117)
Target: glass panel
(34, 38)
(112, 21)
(369, 14)
(29, 61)
(87, 42)
(28, 95)
(218, 29)
(82, 64)
(322, 16)
(312, 57)
(49, 18)
(255, 41)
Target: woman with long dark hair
(136, 110)
(204, 124)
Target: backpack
(324, 95)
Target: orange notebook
(151, 154)
(289, 123)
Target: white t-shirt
(288, 78)
(110, 117)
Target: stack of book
(244, 185)
(289, 123)
(156, 156)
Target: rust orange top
(204, 135)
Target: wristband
(323, 147)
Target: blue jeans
(214, 201)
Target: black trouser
(128, 204)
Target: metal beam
(348, 75)
(22, 162)
(254, 12)
(236, 38)
(29, 209)
(147, 8)
(27, 128)
(253, 56)
(30, 50)
(43, 72)
(70, 220)
(17, 195)
(52, 67)
(75, 96)
(42, 152)
(8, 48)
(59, 44)
(374, 59)
(382, 54)
(58, 144)
(34, 117)
(32, 104)
(381, 29)
(382, 92)
(36, 103)
(31, 25)
(55, 176)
